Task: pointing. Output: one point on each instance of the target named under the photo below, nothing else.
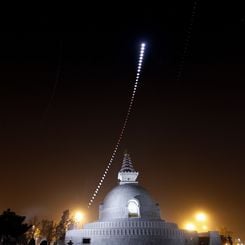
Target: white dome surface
(115, 205)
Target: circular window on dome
(133, 208)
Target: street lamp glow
(190, 227)
(78, 217)
(201, 217)
(204, 227)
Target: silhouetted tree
(32, 242)
(34, 232)
(47, 230)
(226, 236)
(12, 229)
(230, 240)
(63, 225)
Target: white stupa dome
(128, 215)
(129, 199)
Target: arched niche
(133, 208)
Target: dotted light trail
(187, 40)
(139, 68)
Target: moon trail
(138, 73)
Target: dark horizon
(185, 136)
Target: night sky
(66, 77)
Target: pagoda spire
(127, 174)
